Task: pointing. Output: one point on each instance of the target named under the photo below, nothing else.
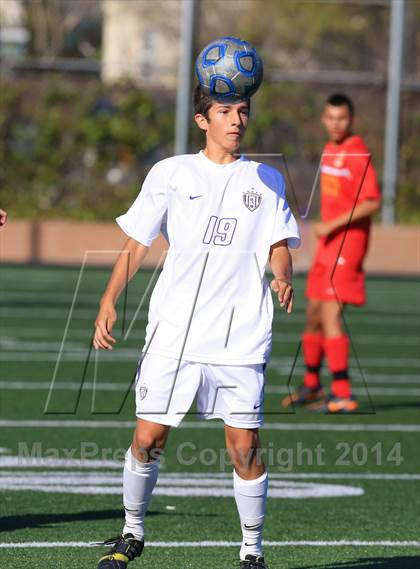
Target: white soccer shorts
(166, 388)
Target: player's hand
(322, 228)
(3, 217)
(284, 292)
(107, 316)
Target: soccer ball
(229, 69)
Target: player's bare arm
(281, 265)
(133, 253)
(365, 209)
(3, 217)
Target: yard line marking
(87, 424)
(32, 462)
(83, 333)
(390, 379)
(408, 319)
(62, 385)
(206, 478)
(179, 487)
(368, 376)
(178, 544)
(53, 313)
(385, 391)
(132, 355)
(374, 362)
(120, 386)
(310, 475)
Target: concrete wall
(140, 41)
(393, 250)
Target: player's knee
(243, 448)
(331, 319)
(147, 445)
(313, 317)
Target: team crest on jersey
(340, 159)
(143, 391)
(252, 199)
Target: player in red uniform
(349, 197)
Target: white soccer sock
(251, 497)
(138, 482)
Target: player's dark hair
(202, 102)
(339, 100)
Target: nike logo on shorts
(258, 405)
(195, 197)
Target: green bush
(77, 150)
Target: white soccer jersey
(211, 303)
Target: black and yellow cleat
(253, 562)
(124, 548)
(304, 396)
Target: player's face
(226, 125)
(337, 122)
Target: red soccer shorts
(348, 280)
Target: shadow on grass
(12, 523)
(400, 562)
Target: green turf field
(345, 491)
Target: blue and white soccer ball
(229, 69)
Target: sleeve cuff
(293, 240)
(140, 238)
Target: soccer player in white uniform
(209, 329)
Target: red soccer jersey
(347, 179)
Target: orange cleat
(340, 405)
(304, 396)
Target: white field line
(18, 334)
(129, 355)
(22, 345)
(387, 361)
(53, 275)
(120, 387)
(53, 313)
(43, 293)
(312, 475)
(198, 544)
(384, 391)
(181, 486)
(40, 462)
(269, 426)
(205, 478)
(369, 378)
(407, 319)
(80, 356)
(93, 296)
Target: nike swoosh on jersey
(195, 197)
(258, 405)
